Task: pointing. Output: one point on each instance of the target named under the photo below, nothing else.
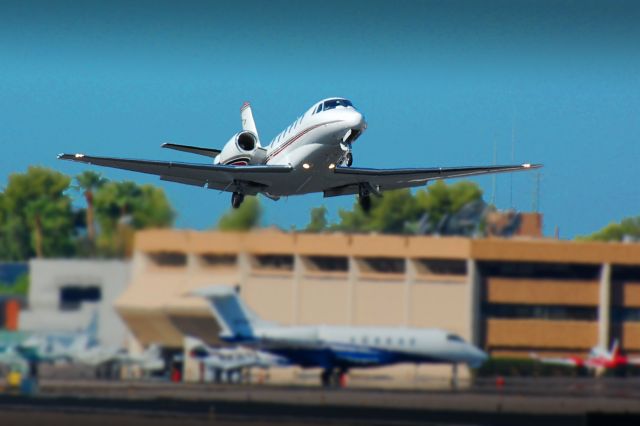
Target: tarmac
(529, 401)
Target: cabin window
(389, 341)
(377, 341)
(401, 341)
(365, 340)
(412, 342)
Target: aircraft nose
(356, 120)
(477, 356)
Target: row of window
(553, 312)
(382, 265)
(388, 341)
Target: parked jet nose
(476, 357)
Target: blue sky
(439, 82)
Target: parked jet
(313, 154)
(598, 358)
(58, 346)
(336, 349)
(227, 363)
(11, 358)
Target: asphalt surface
(548, 401)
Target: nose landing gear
(236, 199)
(347, 157)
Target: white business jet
(313, 154)
(336, 349)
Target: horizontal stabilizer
(207, 152)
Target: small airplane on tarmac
(313, 154)
(336, 349)
(227, 363)
(599, 357)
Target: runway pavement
(519, 401)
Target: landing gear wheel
(365, 203)
(349, 159)
(325, 378)
(236, 199)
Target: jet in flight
(335, 349)
(313, 154)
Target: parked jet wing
(228, 178)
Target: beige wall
(156, 304)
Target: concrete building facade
(65, 293)
(510, 297)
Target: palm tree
(88, 182)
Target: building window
(441, 266)
(383, 265)
(550, 312)
(214, 260)
(168, 258)
(540, 270)
(274, 262)
(327, 263)
(72, 296)
(620, 314)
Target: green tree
(88, 182)
(122, 207)
(246, 217)
(37, 218)
(441, 199)
(388, 214)
(318, 220)
(397, 212)
(628, 227)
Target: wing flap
(216, 176)
(207, 152)
(402, 178)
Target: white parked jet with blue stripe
(336, 349)
(313, 154)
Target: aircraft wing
(347, 180)
(251, 179)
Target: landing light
(306, 166)
(526, 166)
(332, 166)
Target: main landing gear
(365, 203)
(364, 196)
(335, 378)
(348, 160)
(236, 199)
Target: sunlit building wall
(511, 297)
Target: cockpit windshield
(334, 103)
(454, 338)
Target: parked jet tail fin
(238, 322)
(247, 120)
(615, 349)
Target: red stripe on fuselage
(296, 137)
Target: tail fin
(615, 349)
(92, 329)
(235, 318)
(247, 120)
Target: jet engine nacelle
(240, 150)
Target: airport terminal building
(508, 296)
